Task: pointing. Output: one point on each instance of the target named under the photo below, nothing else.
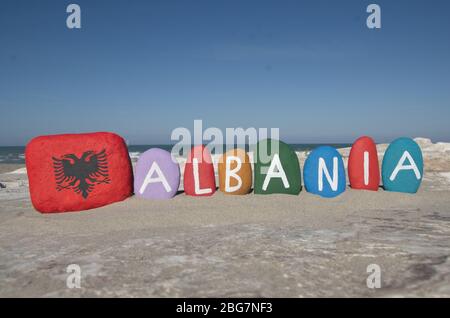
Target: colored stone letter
(363, 167)
(277, 169)
(235, 172)
(157, 175)
(199, 179)
(318, 179)
(402, 169)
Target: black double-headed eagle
(81, 174)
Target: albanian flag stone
(75, 172)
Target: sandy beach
(234, 246)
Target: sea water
(16, 154)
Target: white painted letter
(160, 178)
(232, 173)
(374, 19)
(197, 179)
(366, 167)
(400, 166)
(278, 173)
(73, 21)
(323, 169)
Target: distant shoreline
(16, 154)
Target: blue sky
(142, 68)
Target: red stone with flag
(74, 172)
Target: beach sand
(230, 246)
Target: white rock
(423, 142)
(19, 171)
